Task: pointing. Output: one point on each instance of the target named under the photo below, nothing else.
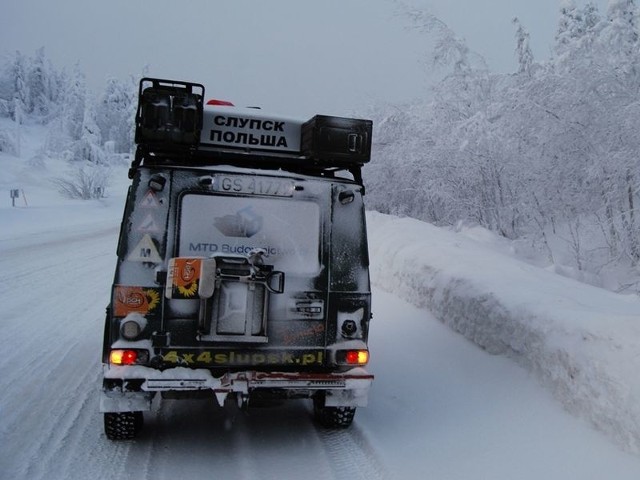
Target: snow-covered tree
(8, 143)
(33, 84)
(74, 105)
(39, 96)
(523, 50)
(570, 26)
(67, 128)
(20, 87)
(548, 150)
(117, 108)
(621, 31)
(89, 147)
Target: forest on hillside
(547, 155)
(81, 126)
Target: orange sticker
(184, 274)
(134, 299)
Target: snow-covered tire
(122, 425)
(332, 417)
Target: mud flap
(114, 401)
(347, 398)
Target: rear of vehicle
(242, 261)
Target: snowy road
(440, 408)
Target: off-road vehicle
(242, 268)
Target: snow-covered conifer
(89, 147)
(117, 107)
(74, 105)
(20, 86)
(523, 49)
(38, 87)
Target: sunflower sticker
(127, 299)
(190, 278)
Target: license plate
(253, 185)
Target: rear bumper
(132, 388)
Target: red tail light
(123, 357)
(357, 357)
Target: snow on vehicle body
(242, 261)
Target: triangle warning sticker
(148, 225)
(145, 251)
(149, 200)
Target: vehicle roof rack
(174, 127)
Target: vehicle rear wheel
(122, 425)
(332, 417)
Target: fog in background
(293, 56)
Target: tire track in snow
(351, 455)
(25, 246)
(48, 390)
(191, 439)
(43, 290)
(70, 423)
(44, 357)
(56, 448)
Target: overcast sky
(292, 56)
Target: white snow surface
(552, 393)
(581, 341)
